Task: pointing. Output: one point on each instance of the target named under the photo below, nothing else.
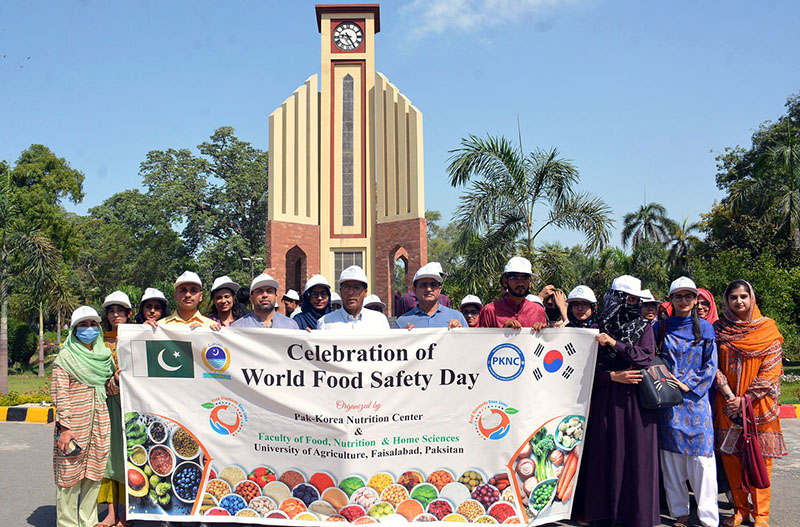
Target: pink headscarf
(712, 310)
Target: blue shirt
(279, 321)
(440, 319)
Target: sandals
(733, 521)
(683, 521)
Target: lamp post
(251, 260)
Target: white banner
(282, 427)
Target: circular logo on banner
(506, 362)
(227, 416)
(553, 360)
(216, 358)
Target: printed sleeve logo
(491, 419)
(506, 362)
(216, 359)
(227, 417)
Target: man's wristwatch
(729, 396)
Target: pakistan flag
(167, 358)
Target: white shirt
(340, 319)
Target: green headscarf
(91, 367)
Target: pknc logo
(506, 362)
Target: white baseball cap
(316, 280)
(648, 297)
(263, 280)
(335, 298)
(683, 284)
(119, 298)
(353, 273)
(437, 267)
(582, 292)
(84, 313)
(152, 292)
(628, 284)
(518, 264)
(429, 270)
(534, 298)
(471, 299)
(291, 294)
(373, 299)
(188, 277)
(224, 282)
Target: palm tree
(507, 190)
(34, 249)
(773, 190)
(681, 242)
(62, 300)
(649, 223)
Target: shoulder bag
(754, 470)
(658, 389)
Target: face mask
(87, 334)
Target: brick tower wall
(283, 237)
(406, 238)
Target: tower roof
(349, 8)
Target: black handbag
(658, 389)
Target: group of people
(716, 361)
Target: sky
(641, 96)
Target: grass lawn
(29, 383)
(789, 388)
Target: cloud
(439, 16)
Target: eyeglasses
(319, 294)
(684, 298)
(519, 277)
(427, 285)
(355, 288)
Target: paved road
(28, 493)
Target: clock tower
(345, 168)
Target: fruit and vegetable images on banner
(281, 427)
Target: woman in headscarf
(685, 431)
(83, 375)
(706, 307)
(618, 482)
(152, 308)
(225, 308)
(581, 308)
(316, 302)
(117, 308)
(750, 364)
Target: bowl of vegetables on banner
(546, 465)
(165, 465)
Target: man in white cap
(409, 301)
(429, 313)
(336, 301)
(291, 302)
(514, 310)
(353, 316)
(188, 295)
(374, 303)
(263, 295)
(471, 306)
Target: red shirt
(494, 315)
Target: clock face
(347, 36)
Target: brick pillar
(301, 239)
(407, 238)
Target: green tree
(648, 224)
(31, 250)
(649, 263)
(40, 182)
(219, 197)
(508, 189)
